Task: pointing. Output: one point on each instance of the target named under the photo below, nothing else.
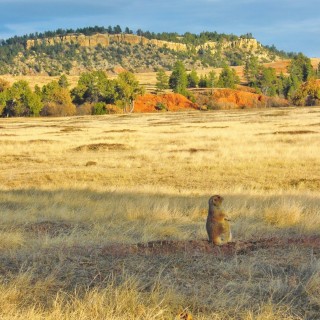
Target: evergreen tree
(178, 80)
(93, 87)
(301, 68)
(291, 84)
(251, 70)
(203, 81)
(268, 81)
(193, 79)
(63, 81)
(228, 78)
(211, 80)
(162, 80)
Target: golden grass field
(78, 194)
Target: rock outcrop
(241, 43)
(105, 39)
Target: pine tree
(252, 70)
(193, 79)
(301, 68)
(178, 80)
(162, 80)
(228, 78)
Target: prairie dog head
(215, 200)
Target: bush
(58, 110)
(99, 108)
(276, 102)
(111, 109)
(223, 105)
(84, 109)
(160, 106)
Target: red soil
(172, 102)
(239, 98)
(233, 99)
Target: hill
(76, 51)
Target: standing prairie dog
(217, 225)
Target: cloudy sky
(291, 25)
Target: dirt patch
(116, 131)
(191, 150)
(40, 141)
(276, 114)
(101, 147)
(163, 102)
(70, 129)
(196, 247)
(91, 163)
(206, 127)
(49, 228)
(295, 132)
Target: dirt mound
(196, 247)
(234, 99)
(163, 102)
(100, 147)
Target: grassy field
(84, 200)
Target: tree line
(95, 93)
(299, 86)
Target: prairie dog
(218, 227)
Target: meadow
(103, 217)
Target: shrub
(54, 109)
(223, 105)
(111, 109)
(160, 106)
(84, 109)
(276, 102)
(99, 108)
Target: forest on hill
(57, 58)
(96, 94)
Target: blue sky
(291, 25)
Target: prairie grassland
(72, 188)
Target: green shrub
(160, 106)
(99, 108)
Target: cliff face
(243, 44)
(105, 40)
(82, 40)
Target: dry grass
(72, 188)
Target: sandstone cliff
(105, 40)
(244, 44)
